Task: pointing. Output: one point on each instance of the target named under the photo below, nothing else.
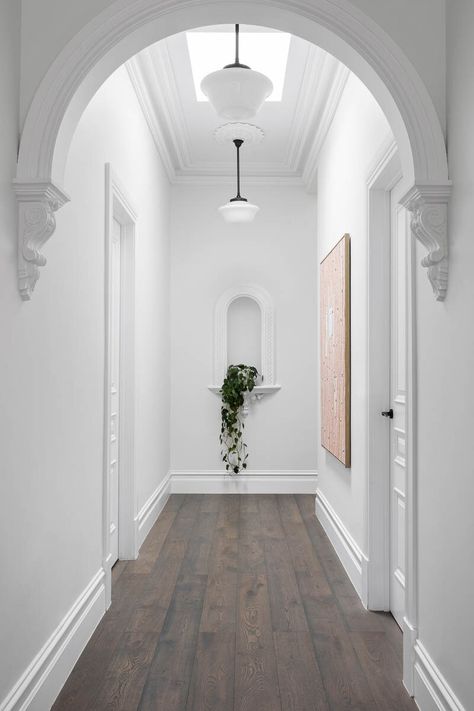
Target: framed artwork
(335, 342)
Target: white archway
(125, 28)
(335, 25)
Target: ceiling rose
(228, 132)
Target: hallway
(238, 602)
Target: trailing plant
(239, 380)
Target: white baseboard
(151, 509)
(351, 556)
(252, 482)
(432, 691)
(39, 685)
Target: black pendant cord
(238, 198)
(237, 30)
(236, 64)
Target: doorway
(391, 570)
(119, 500)
(397, 418)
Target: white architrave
(383, 176)
(119, 207)
(265, 304)
(125, 28)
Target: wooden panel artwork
(335, 309)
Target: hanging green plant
(239, 380)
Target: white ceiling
(183, 127)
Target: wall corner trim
(355, 562)
(432, 691)
(151, 509)
(43, 679)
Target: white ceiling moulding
(152, 76)
(225, 179)
(323, 83)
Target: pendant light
(238, 209)
(236, 92)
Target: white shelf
(257, 393)
(259, 390)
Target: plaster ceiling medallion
(228, 132)
(236, 92)
(238, 209)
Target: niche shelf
(258, 392)
(265, 304)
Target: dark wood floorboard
(237, 603)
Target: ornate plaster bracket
(37, 200)
(429, 223)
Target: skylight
(266, 52)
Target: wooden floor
(237, 603)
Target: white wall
(357, 133)
(446, 396)
(113, 130)
(277, 252)
(13, 395)
(52, 369)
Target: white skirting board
(432, 691)
(252, 482)
(351, 556)
(42, 681)
(151, 509)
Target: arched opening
(91, 57)
(120, 32)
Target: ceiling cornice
(322, 85)
(153, 80)
(152, 76)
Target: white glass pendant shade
(238, 211)
(236, 93)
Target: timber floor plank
(237, 603)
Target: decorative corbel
(37, 200)
(429, 223)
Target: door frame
(119, 207)
(384, 174)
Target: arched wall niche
(267, 332)
(244, 330)
(125, 28)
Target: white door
(114, 394)
(398, 352)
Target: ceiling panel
(183, 126)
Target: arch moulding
(125, 28)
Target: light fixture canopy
(236, 92)
(238, 209)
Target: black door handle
(387, 413)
